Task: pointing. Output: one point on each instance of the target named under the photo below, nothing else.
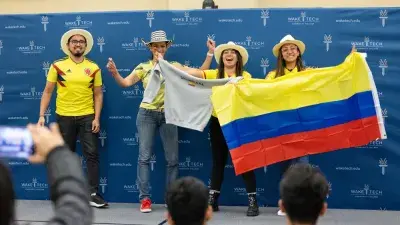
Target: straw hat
(231, 45)
(288, 39)
(158, 36)
(67, 35)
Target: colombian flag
(310, 112)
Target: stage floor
(38, 212)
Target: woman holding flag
(151, 116)
(289, 53)
(231, 59)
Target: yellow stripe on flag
(253, 97)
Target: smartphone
(15, 142)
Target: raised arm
(207, 62)
(128, 81)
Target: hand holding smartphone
(32, 143)
(16, 142)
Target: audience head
(303, 192)
(6, 196)
(187, 201)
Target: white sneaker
(280, 213)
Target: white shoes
(280, 213)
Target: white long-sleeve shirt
(187, 100)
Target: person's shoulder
(246, 75)
(144, 65)
(61, 60)
(92, 63)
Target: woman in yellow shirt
(289, 53)
(231, 59)
(151, 117)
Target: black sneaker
(97, 201)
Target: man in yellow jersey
(79, 101)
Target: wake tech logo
(150, 18)
(327, 41)
(383, 64)
(45, 21)
(264, 16)
(1, 93)
(383, 16)
(46, 67)
(100, 43)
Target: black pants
(220, 153)
(71, 128)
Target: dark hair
(187, 201)
(239, 65)
(281, 64)
(69, 39)
(303, 192)
(7, 196)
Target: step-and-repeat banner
(366, 177)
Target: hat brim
(169, 42)
(299, 44)
(70, 33)
(242, 51)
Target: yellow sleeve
(139, 71)
(98, 81)
(271, 75)
(52, 74)
(210, 74)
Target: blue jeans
(148, 122)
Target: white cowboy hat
(288, 39)
(70, 33)
(231, 45)
(158, 36)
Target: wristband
(210, 54)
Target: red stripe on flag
(269, 151)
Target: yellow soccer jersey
(143, 71)
(75, 84)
